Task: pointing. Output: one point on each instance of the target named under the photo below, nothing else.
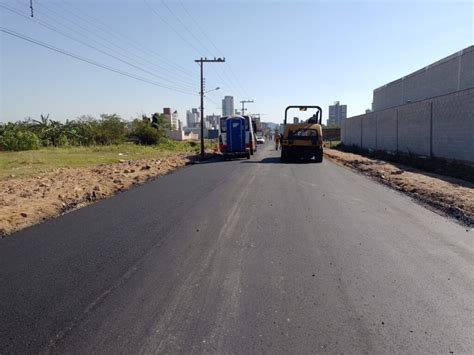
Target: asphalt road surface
(244, 256)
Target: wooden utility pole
(243, 102)
(201, 62)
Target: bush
(110, 130)
(143, 133)
(19, 140)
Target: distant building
(212, 121)
(192, 118)
(337, 113)
(256, 119)
(175, 122)
(296, 120)
(228, 106)
(171, 118)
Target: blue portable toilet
(235, 134)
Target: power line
(186, 81)
(89, 61)
(162, 18)
(52, 28)
(44, 24)
(173, 68)
(185, 27)
(212, 43)
(95, 22)
(167, 23)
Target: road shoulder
(449, 196)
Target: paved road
(245, 257)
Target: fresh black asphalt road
(244, 256)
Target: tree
(110, 130)
(144, 133)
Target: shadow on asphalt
(216, 159)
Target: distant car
(260, 140)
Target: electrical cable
(52, 28)
(83, 59)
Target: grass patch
(431, 165)
(32, 162)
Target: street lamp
(205, 92)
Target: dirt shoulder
(25, 201)
(451, 196)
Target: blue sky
(277, 53)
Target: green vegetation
(86, 131)
(32, 162)
(431, 165)
(30, 147)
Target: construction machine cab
(303, 140)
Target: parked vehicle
(260, 140)
(233, 137)
(250, 138)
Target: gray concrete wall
(355, 130)
(369, 131)
(414, 128)
(453, 126)
(450, 74)
(387, 133)
(439, 127)
(467, 76)
(343, 130)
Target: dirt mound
(453, 197)
(27, 201)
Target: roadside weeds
(450, 196)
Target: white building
(228, 106)
(175, 121)
(192, 118)
(212, 121)
(171, 118)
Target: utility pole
(201, 62)
(243, 102)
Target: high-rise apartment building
(337, 113)
(228, 106)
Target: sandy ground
(28, 201)
(451, 196)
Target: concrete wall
(414, 123)
(453, 126)
(182, 135)
(450, 74)
(369, 131)
(387, 130)
(439, 127)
